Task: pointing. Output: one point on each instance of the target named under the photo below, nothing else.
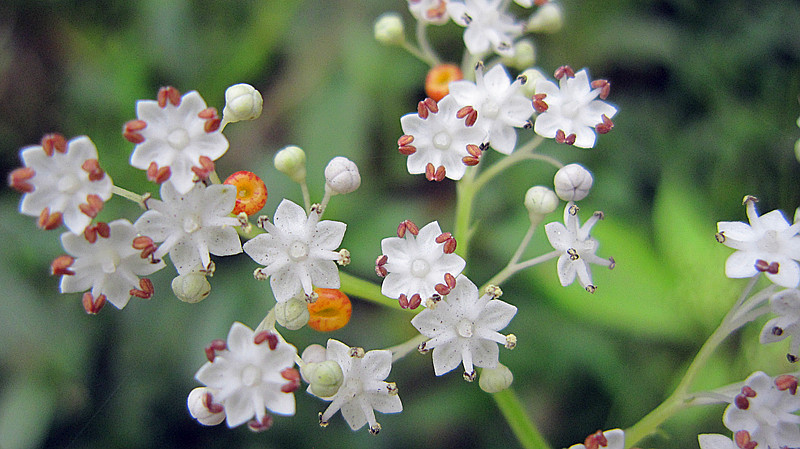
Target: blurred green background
(708, 98)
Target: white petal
(741, 264)
(446, 358)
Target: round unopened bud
(292, 314)
(191, 287)
(539, 200)
(197, 408)
(389, 29)
(549, 18)
(291, 161)
(313, 354)
(341, 175)
(531, 76)
(242, 102)
(524, 55)
(494, 380)
(325, 378)
(572, 182)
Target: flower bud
(494, 380)
(531, 76)
(549, 18)
(291, 161)
(313, 354)
(389, 29)
(197, 408)
(292, 314)
(341, 176)
(325, 377)
(539, 200)
(524, 55)
(242, 102)
(572, 182)
(191, 287)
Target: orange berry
(251, 193)
(331, 311)
(437, 83)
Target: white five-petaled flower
(500, 104)
(570, 111)
(192, 225)
(414, 264)
(62, 182)
(769, 244)
(786, 304)
(576, 247)
(249, 374)
(363, 388)
(765, 409)
(430, 11)
(175, 132)
(438, 143)
(610, 439)
(463, 328)
(298, 251)
(489, 26)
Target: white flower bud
(242, 102)
(291, 161)
(494, 380)
(573, 182)
(325, 377)
(292, 314)
(341, 175)
(531, 76)
(191, 287)
(549, 18)
(539, 200)
(389, 29)
(524, 55)
(314, 354)
(199, 411)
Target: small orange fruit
(331, 311)
(437, 83)
(251, 193)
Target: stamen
(604, 127)
(742, 439)
(469, 377)
(776, 331)
(450, 280)
(787, 382)
(748, 391)
(762, 265)
(380, 270)
(60, 266)
(407, 150)
(170, 94)
(791, 358)
(422, 349)
(511, 341)
(18, 178)
(405, 140)
(403, 301)
(208, 403)
(591, 288)
(92, 166)
(573, 254)
(356, 352)
(595, 440)
(92, 207)
(145, 290)
(158, 175)
(293, 376)
(415, 301)
(54, 142)
(130, 131)
(48, 221)
(407, 225)
(442, 289)
(91, 304)
(741, 402)
(720, 236)
(563, 71)
(214, 347)
(494, 291)
(538, 103)
(205, 169)
(212, 119)
(321, 422)
(604, 86)
(260, 426)
(269, 337)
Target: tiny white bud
(291, 161)
(198, 409)
(572, 182)
(292, 314)
(313, 354)
(341, 175)
(325, 377)
(549, 18)
(494, 380)
(242, 102)
(539, 200)
(524, 55)
(532, 75)
(389, 29)
(191, 287)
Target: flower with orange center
(251, 193)
(331, 310)
(437, 83)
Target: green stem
(465, 194)
(429, 55)
(514, 267)
(402, 350)
(519, 420)
(353, 286)
(128, 195)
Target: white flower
(175, 132)
(363, 389)
(298, 251)
(577, 248)
(62, 181)
(489, 26)
(786, 304)
(107, 264)
(437, 144)
(430, 11)
(418, 263)
(500, 105)
(192, 225)
(464, 329)
(570, 110)
(610, 439)
(715, 441)
(765, 409)
(250, 373)
(769, 244)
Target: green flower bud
(325, 377)
(191, 287)
(532, 75)
(389, 29)
(524, 55)
(292, 314)
(291, 161)
(494, 380)
(549, 18)
(540, 201)
(242, 102)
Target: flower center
(68, 183)
(178, 138)
(490, 109)
(465, 328)
(769, 242)
(298, 251)
(190, 224)
(420, 268)
(570, 109)
(442, 140)
(251, 376)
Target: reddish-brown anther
(145, 290)
(741, 402)
(450, 280)
(449, 246)
(470, 161)
(604, 86)
(293, 376)
(562, 138)
(434, 174)
(90, 233)
(422, 110)
(605, 127)
(405, 140)
(773, 268)
(92, 206)
(595, 440)
(748, 391)
(404, 145)
(563, 71)
(540, 2)
(212, 118)
(48, 221)
(170, 94)
(18, 179)
(469, 113)
(431, 104)
(210, 405)
(442, 289)
(260, 426)
(414, 301)
(742, 439)
(205, 169)
(441, 238)
(269, 337)
(91, 304)
(474, 150)
(213, 347)
(60, 266)
(403, 300)
(380, 270)
(539, 104)
(130, 131)
(407, 150)
(54, 142)
(158, 175)
(407, 225)
(92, 167)
(786, 382)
